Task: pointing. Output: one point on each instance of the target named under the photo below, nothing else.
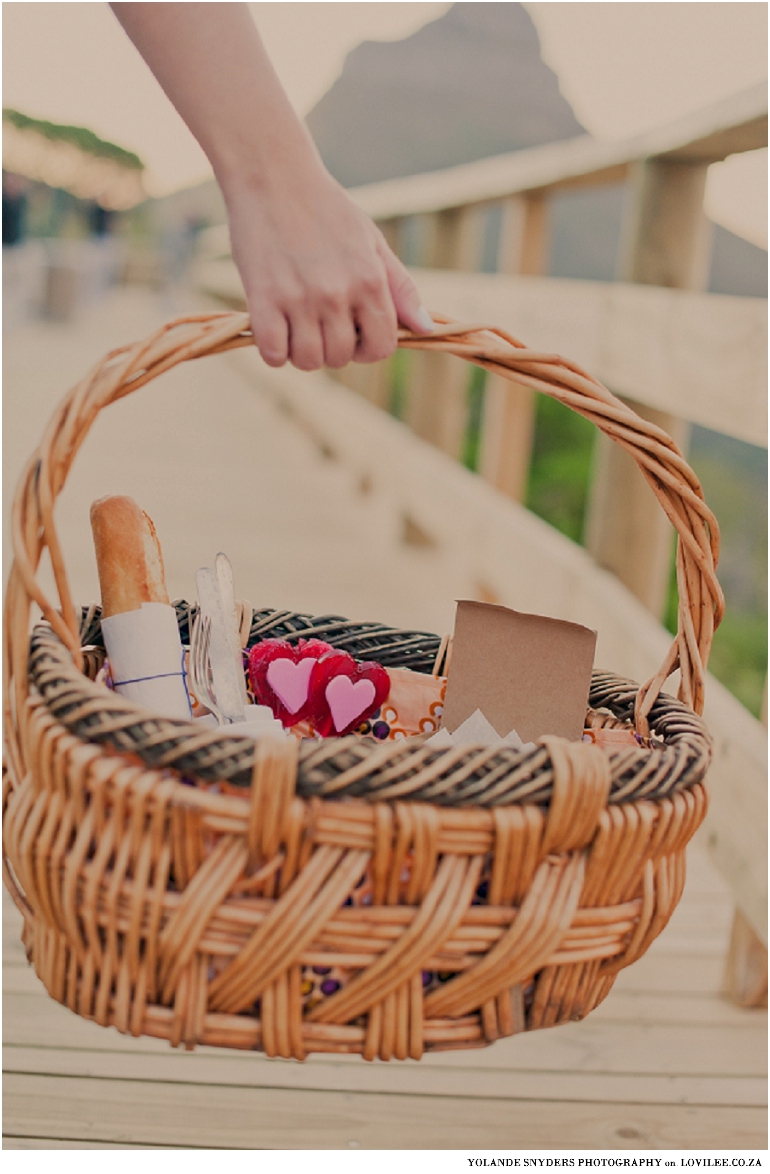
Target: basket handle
(125, 370)
(661, 462)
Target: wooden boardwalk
(665, 1063)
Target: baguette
(128, 556)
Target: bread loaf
(128, 556)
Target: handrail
(673, 350)
(670, 349)
(738, 123)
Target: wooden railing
(681, 356)
(666, 244)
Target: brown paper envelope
(524, 672)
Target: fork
(200, 642)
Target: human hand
(322, 286)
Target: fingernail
(426, 322)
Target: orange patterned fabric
(414, 706)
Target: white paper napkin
(476, 731)
(258, 722)
(147, 659)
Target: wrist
(250, 165)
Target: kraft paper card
(524, 672)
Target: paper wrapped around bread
(138, 622)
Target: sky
(625, 67)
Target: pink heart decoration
(348, 701)
(280, 676)
(345, 692)
(290, 682)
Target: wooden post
(391, 230)
(369, 380)
(667, 243)
(624, 531)
(437, 401)
(524, 235)
(746, 971)
(746, 968)
(509, 408)
(668, 240)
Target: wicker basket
(506, 889)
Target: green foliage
(399, 382)
(734, 479)
(475, 402)
(79, 136)
(739, 652)
(672, 599)
(560, 472)
(739, 657)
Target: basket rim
(211, 756)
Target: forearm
(211, 63)
(321, 284)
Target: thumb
(406, 298)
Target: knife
(225, 679)
(224, 573)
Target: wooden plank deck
(665, 1063)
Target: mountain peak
(465, 86)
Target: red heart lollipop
(345, 692)
(280, 676)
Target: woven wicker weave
(455, 896)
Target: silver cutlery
(224, 573)
(199, 666)
(226, 678)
